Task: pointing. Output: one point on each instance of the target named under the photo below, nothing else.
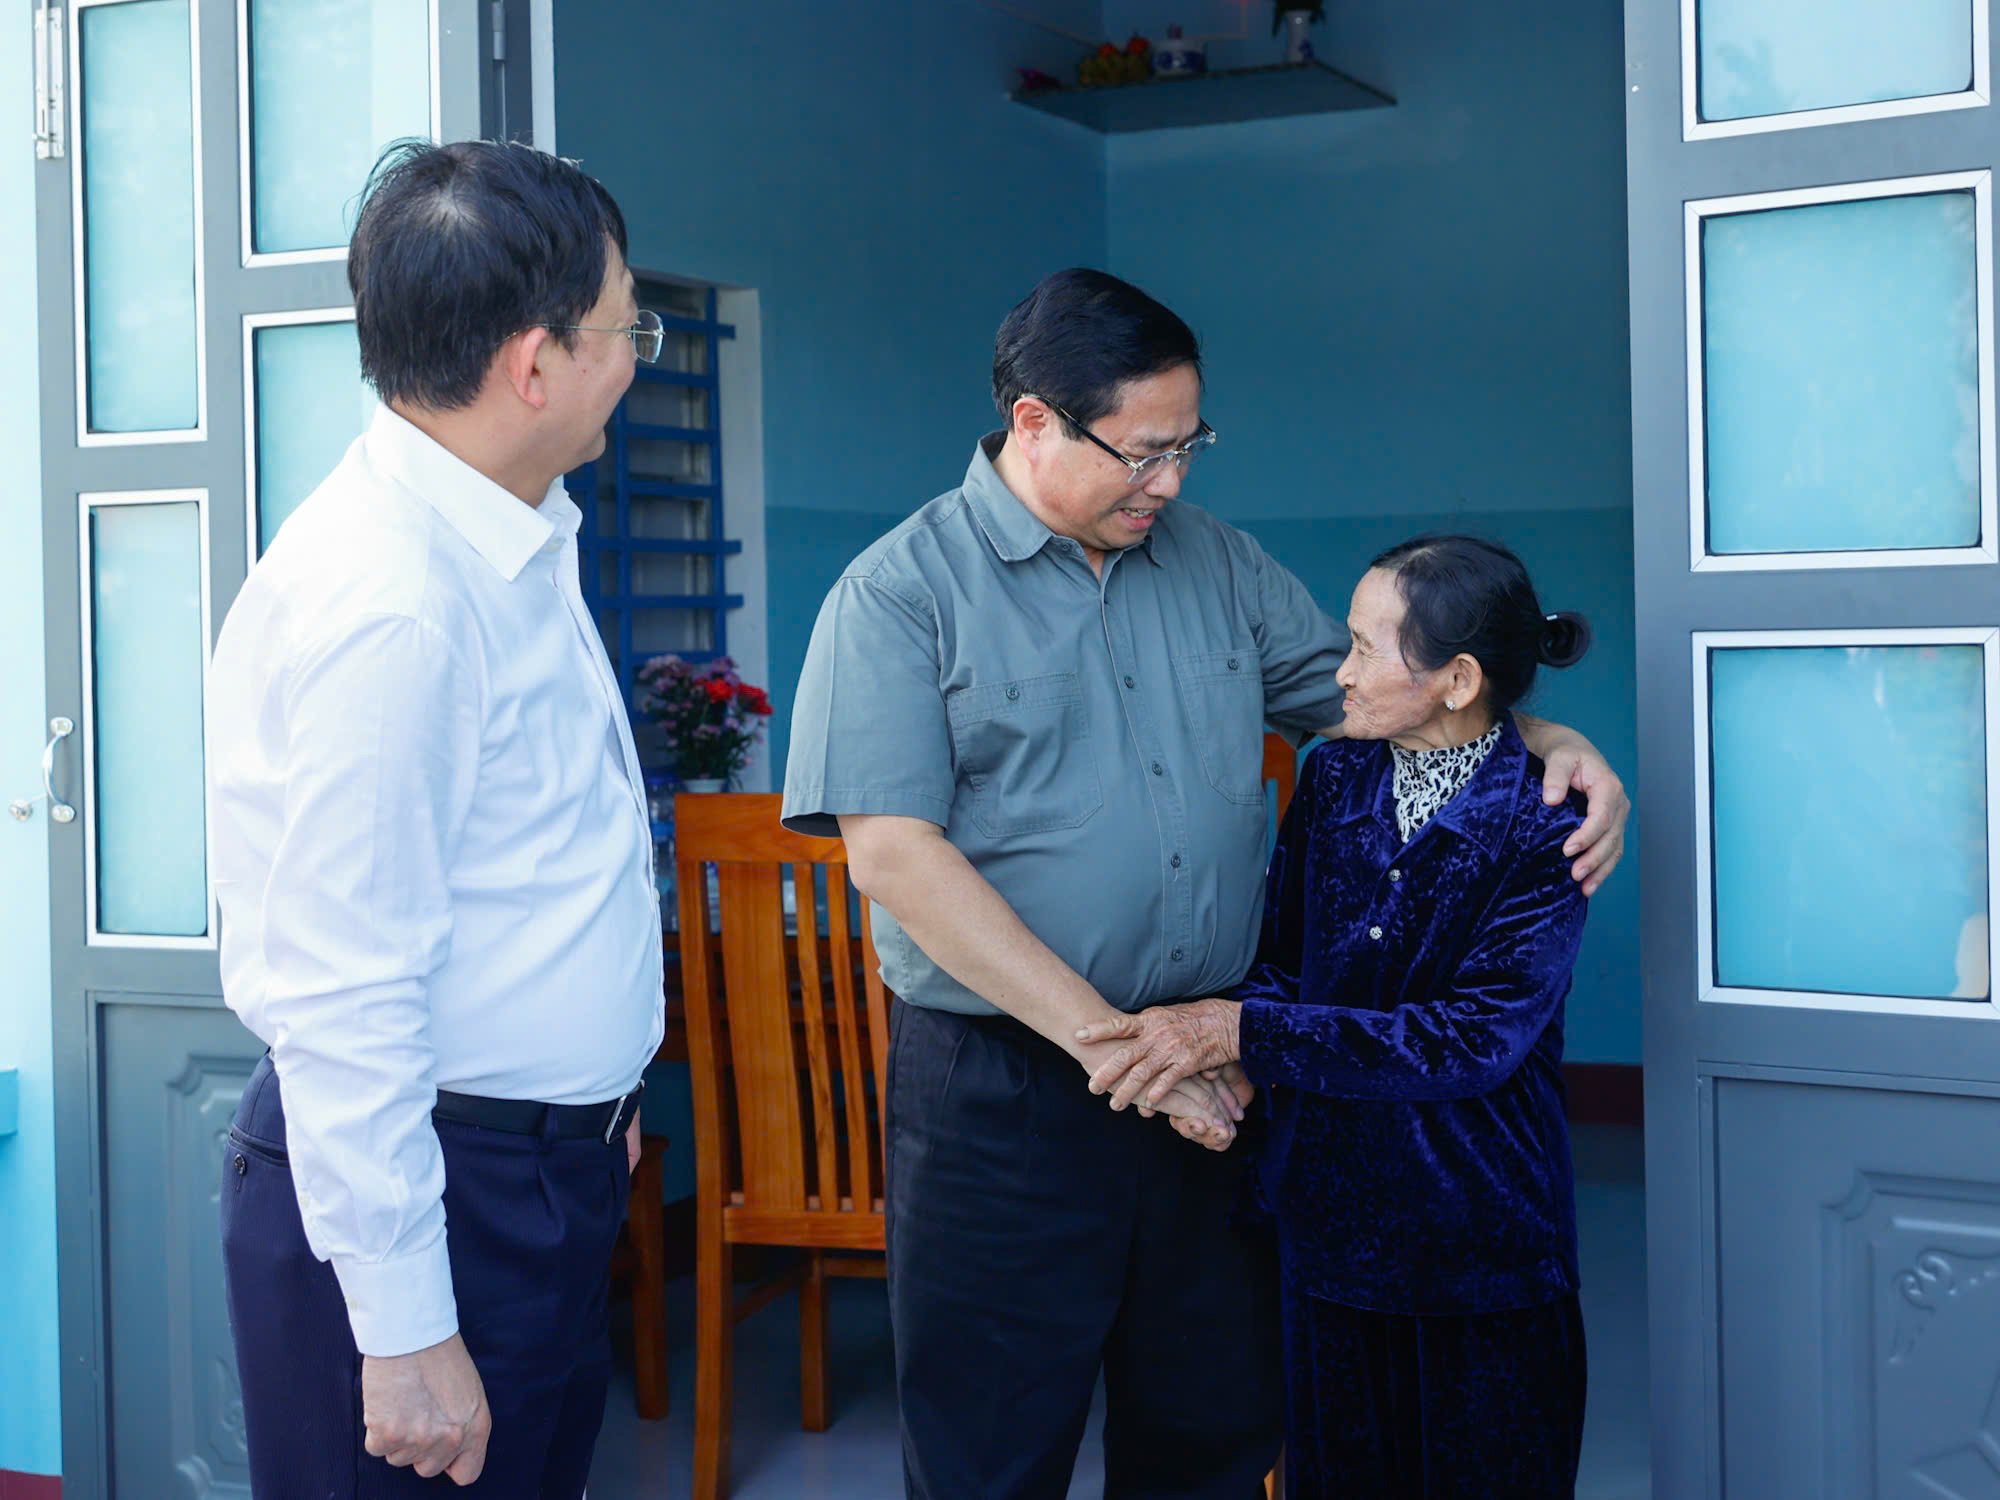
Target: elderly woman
(1405, 1013)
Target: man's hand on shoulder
(427, 1411)
(1571, 762)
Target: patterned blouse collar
(1427, 779)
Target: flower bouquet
(709, 717)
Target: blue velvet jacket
(1405, 1015)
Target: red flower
(718, 690)
(753, 699)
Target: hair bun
(1565, 638)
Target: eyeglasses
(647, 334)
(1141, 470)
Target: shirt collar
(1014, 532)
(1484, 808)
(495, 523)
(1481, 812)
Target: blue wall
(30, 1424)
(1413, 317)
(872, 181)
(1419, 309)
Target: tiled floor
(857, 1458)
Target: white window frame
(253, 324)
(740, 390)
(1694, 128)
(252, 257)
(1713, 992)
(1987, 550)
(86, 503)
(198, 433)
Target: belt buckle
(618, 1108)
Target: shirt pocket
(1222, 693)
(1024, 746)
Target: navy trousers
(1036, 1239)
(530, 1227)
(1383, 1406)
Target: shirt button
(1158, 769)
(1233, 664)
(1131, 681)
(1375, 933)
(1395, 877)
(1175, 955)
(1012, 691)
(1176, 861)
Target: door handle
(23, 808)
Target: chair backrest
(787, 1041)
(1281, 764)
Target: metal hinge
(50, 109)
(499, 9)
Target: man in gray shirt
(1035, 713)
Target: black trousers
(1036, 1238)
(530, 1228)
(1384, 1406)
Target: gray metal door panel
(148, 1062)
(172, 1077)
(1860, 1286)
(1800, 1162)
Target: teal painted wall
(30, 1423)
(873, 183)
(1413, 317)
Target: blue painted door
(199, 374)
(1812, 274)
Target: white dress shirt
(432, 849)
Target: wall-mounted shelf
(1218, 98)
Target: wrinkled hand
(427, 1411)
(1229, 1079)
(1600, 843)
(1200, 1110)
(1164, 1046)
(1232, 1077)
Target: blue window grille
(652, 550)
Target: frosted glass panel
(146, 706)
(331, 83)
(1771, 57)
(141, 361)
(1841, 373)
(311, 403)
(1850, 819)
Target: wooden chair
(641, 1258)
(785, 1047)
(1281, 764)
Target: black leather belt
(605, 1121)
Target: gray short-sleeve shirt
(1093, 746)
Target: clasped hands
(1177, 1060)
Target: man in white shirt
(434, 863)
